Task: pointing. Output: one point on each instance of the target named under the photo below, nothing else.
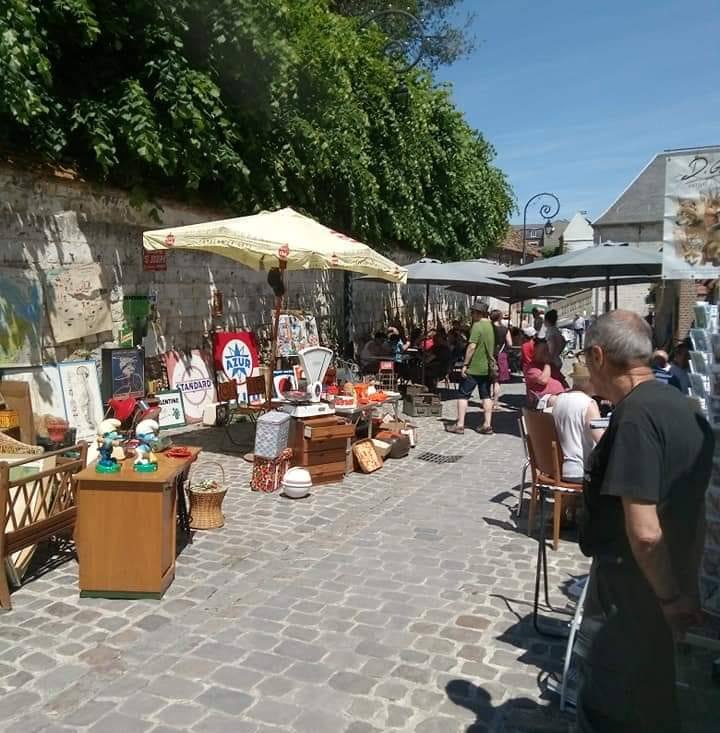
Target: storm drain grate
(438, 458)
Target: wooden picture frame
(366, 456)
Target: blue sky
(578, 95)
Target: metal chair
(523, 476)
(567, 695)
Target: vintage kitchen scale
(314, 362)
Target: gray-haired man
(643, 525)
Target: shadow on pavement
(239, 438)
(518, 715)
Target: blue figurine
(146, 432)
(108, 438)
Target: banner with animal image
(691, 236)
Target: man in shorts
(476, 369)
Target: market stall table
(126, 527)
(356, 413)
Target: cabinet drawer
(327, 432)
(320, 457)
(328, 471)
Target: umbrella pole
(607, 294)
(276, 327)
(520, 314)
(616, 296)
(422, 345)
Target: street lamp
(405, 32)
(548, 210)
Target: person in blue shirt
(680, 365)
(660, 364)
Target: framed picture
(172, 410)
(123, 373)
(81, 391)
(283, 381)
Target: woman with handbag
(503, 342)
(479, 369)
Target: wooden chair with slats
(257, 404)
(233, 409)
(546, 461)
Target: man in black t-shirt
(643, 525)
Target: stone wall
(49, 220)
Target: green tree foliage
(250, 104)
(444, 40)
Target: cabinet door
(167, 548)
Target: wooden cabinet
(322, 446)
(126, 528)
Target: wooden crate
(422, 405)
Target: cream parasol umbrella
(276, 238)
(277, 241)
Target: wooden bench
(36, 507)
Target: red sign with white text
(154, 261)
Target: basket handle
(208, 463)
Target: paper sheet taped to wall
(78, 301)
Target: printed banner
(192, 376)
(78, 301)
(236, 354)
(691, 234)
(21, 314)
(296, 331)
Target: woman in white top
(573, 412)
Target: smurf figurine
(107, 439)
(147, 433)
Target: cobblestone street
(396, 601)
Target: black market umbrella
(560, 287)
(433, 272)
(503, 288)
(605, 261)
(516, 290)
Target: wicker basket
(11, 446)
(206, 506)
